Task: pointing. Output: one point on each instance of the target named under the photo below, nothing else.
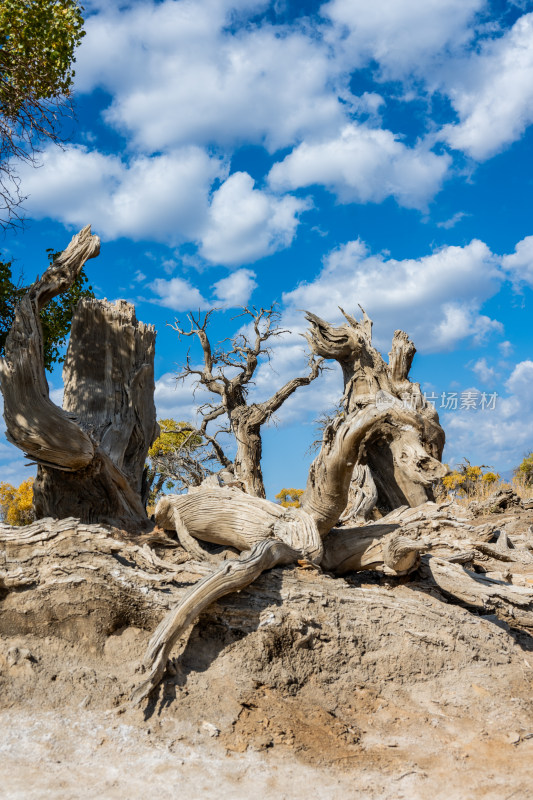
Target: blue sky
(233, 152)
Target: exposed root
(379, 547)
(513, 604)
(231, 576)
(401, 554)
(188, 542)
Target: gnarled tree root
(381, 547)
(88, 581)
(231, 576)
(271, 535)
(512, 604)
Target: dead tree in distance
(241, 358)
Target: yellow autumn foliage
(453, 480)
(16, 503)
(172, 436)
(471, 481)
(491, 477)
(289, 498)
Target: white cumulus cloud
(520, 263)
(245, 224)
(164, 198)
(500, 436)
(364, 165)
(236, 289)
(179, 399)
(178, 294)
(492, 92)
(180, 73)
(436, 298)
(401, 36)
(484, 371)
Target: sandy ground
(92, 755)
(449, 738)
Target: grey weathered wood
(346, 442)
(44, 432)
(89, 580)
(362, 497)
(404, 448)
(91, 453)
(513, 604)
(230, 517)
(91, 467)
(229, 577)
(378, 547)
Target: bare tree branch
(242, 354)
(276, 401)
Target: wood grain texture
(91, 453)
(403, 448)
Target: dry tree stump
(91, 453)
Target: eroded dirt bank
(302, 685)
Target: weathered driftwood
(379, 547)
(82, 580)
(346, 441)
(307, 640)
(229, 577)
(362, 497)
(226, 516)
(44, 432)
(90, 454)
(500, 501)
(267, 533)
(403, 449)
(512, 604)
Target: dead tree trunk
(402, 450)
(91, 453)
(245, 422)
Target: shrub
(524, 471)
(16, 504)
